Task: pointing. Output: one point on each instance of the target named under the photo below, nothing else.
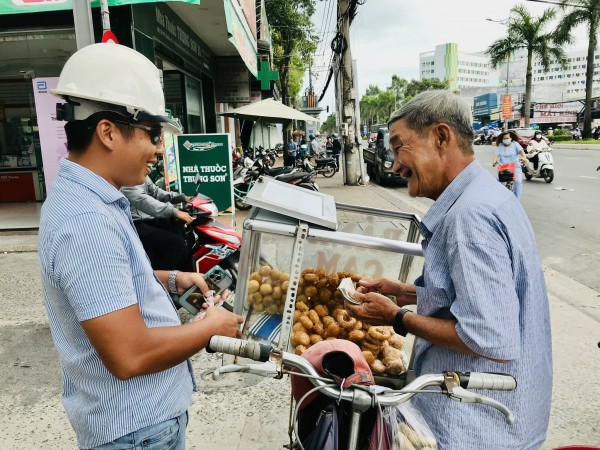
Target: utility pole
(347, 118)
(82, 17)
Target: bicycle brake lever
(266, 369)
(459, 394)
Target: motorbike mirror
(198, 179)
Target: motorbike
(210, 241)
(545, 165)
(324, 166)
(250, 171)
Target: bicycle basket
(506, 172)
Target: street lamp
(504, 22)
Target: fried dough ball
(397, 341)
(300, 338)
(256, 276)
(356, 335)
(343, 275)
(319, 328)
(299, 349)
(284, 285)
(391, 352)
(373, 348)
(321, 310)
(297, 315)
(327, 320)
(325, 294)
(281, 308)
(301, 298)
(308, 270)
(312, 315)
(323, 281)
(265, 289)
(368, 356)
(256, 298)
(355, 277)
(393, 366)
(380, 333)
(277, 293)
(253, 286)
(307, 323)
(310, 278)
(265, 271)
(301, 306)
(275, 274)
(268, 300)
(359, 325)
(334, 280)
(272, 309)
(310, 291)
(298, 327)
(284, 276)
(320, 272)
(332, 330)
(258, 307)
(314, 338)
(377, 367)
(345, 320)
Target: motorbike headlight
(388, 164)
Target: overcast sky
(387, 36)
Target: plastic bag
(407, 430)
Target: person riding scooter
(539, 154)
(537, 144)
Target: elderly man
(481, 300)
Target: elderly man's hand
(374, 308)
(405, 294)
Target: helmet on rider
(311, 136)
(115, 79)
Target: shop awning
(32, 6)
(270, 110)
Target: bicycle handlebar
(483, 380)
(238, 347)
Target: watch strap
(399, 327)
(172, 282)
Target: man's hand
(186, 280)
(375, 309)
(223, 322)
(405, 294)
(182, 215)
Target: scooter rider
(537, 144)
(152, 211)
(123, 350)
(315, 147)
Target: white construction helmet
(112, 77)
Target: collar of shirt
(442, 205)
(85, 177)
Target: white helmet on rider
(112, 77)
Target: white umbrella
(269, 110)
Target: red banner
(507, 106)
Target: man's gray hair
(432, 107)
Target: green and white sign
(207, 155)
(30, 6)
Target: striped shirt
(482, 268)
(92, 263)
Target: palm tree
(526, 32)
(578, 12)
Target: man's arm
(129, 348)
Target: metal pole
(348, 103)
(105, 15)
(82, 17)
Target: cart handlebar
(453, 384)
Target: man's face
(136, 155)
(418, 159)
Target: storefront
(38, 44)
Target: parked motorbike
(323, 166)
(249, 172)
(545, 164)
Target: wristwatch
(172, 282)
(398, 321)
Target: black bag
(506, 175)
(324, 436)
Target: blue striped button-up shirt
(92, 263)
(482, 268)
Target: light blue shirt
(482, 268)
(510, 154)
(92, 263)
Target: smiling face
(133, 156)
(419, 159)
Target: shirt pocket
(432, 300)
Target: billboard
(484, 104)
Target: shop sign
(484, 104)
(53, 140)
(208, 156)
(239, 37)
(31, 6)
(249, 8)
(233, 81)
(507, 106)
(161, 23)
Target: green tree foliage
(377, 105)
(294, 42)
(328, 126)
(587, 13)
(529, 33)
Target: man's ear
(443, 134)
(106, 133)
